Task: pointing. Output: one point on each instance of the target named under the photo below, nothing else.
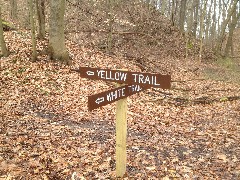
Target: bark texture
(182, 15)
(195, 24)
(33, 36)
(231, 10)
(203, 12)
(4, 49)
(57, 49)
(232, 27)
(41, 18)
(13, 11)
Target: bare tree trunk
(13, 11)
(4, 49)
(208, 18)
(229, 44)
(56, 48)
(182, 15)
(195, 24)
(41, 18)
(33, 36)
(163, 6)
(110, 17)
(173, 12)
(238, 12)
(213, 26)
(203, 12)
(231, 10)
(219, 16)
(190, 17)
(189, 26)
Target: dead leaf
(222, 157)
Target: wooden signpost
(134, 82)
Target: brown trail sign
(107, 97)
(134, 83)
(126, 77)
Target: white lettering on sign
(109, 75)
(140, 78)
(147, 80)
(116, 94)
(117, 76)
(101, 74)
(134, 88)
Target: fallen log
(179, 101)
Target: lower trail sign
(134, 82)
(107, 97)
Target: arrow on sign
(90, 73)
(99, 100)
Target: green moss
(7, 26)
(21, 70)
(14, 60)
(223, 99)
(189, 45)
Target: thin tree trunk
(4, 49)
(229, 44)
(163, 6)
(190, 17)
(219, 17)
(203, 12)
(195, 24)
(231, 10)
(213, 26)
(208, 23)
(13, 11)
(173, 12)
(182, 15)
(41, 18)
(189, 27)
(34, 50)
(238, 12)
(110, 17)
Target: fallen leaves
(222, 157)
(47, 132)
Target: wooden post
(121, 137)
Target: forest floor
(189, 132)
(226, 69)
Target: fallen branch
(184, 81)
(202, 100)
(114, 32)
(165, 93)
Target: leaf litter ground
(48, 133)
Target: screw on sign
(134, 82)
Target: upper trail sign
(126, 77)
